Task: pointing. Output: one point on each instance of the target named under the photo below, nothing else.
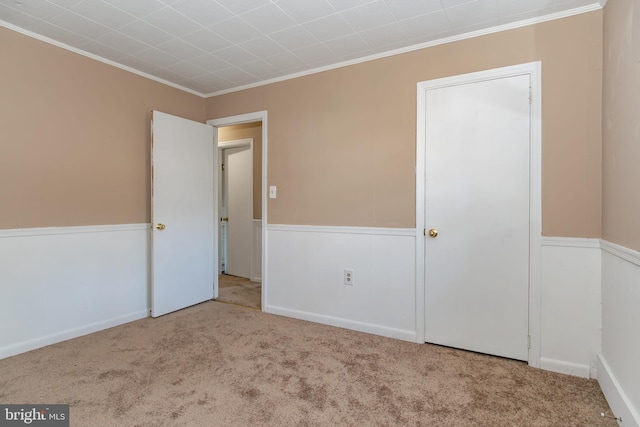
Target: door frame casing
(223, 145)
(533, 69)
(258, 116)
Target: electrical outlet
(348, 277)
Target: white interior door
(477, 199)
(184, 261)
(238, 170)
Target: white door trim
(236, 143)
(535, 192)
(222, 145)
(236, 120)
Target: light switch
(272, 191)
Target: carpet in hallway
(239, 291)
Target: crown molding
(597, 5)
(96, 57)
(458, 37)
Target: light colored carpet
(227, 281)
(239, 291)
(217, 364)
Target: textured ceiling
(209, 46)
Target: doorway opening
(236, 162)
(241, 170)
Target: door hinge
(424, 231)
(223, 167)
(530, 95)
(528, 341)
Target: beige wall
(621, 119)
(342, 142)
(75, 133)
(74, 136)
(249, 130)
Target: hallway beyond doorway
(239, 291)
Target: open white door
(184, 264)
(238, 163)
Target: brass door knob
(433, 233)
(160, 226)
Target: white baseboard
(563, 367)
(343, 323)
(24, 346)
(62, 282)
(616, 397)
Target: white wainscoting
(570, 305)
(306, 273)
(61, 283)
(256, 256)
(619, 362)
